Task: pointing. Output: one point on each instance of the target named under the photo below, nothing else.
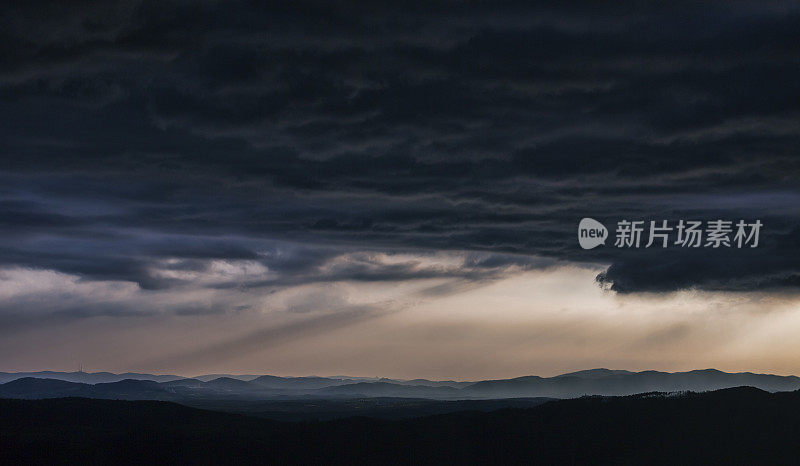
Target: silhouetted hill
(576, 384)
(427, 383)
(389, 389)
(184, 383)
(595, 373)
(607, 382)
(230, 384)
(732, 426)
(207, 377)
(128, 389)
(86, 377)
(31, 387)
(298, 383)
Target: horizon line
(221, 374)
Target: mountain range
(607, 382)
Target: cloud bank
(235, 145)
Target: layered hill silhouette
(88, 377)
(576, 384)
(732, 426)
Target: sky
(394, 189)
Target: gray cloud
(140, 132)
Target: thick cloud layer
(150, 142)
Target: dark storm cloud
(138, 132)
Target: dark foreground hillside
(733, 426)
